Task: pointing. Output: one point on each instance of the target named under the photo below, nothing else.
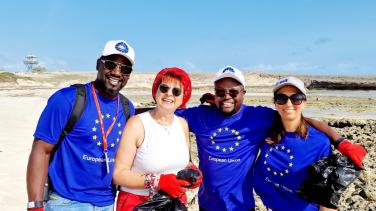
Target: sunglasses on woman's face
(111, 65)
(222, 92)
(175, 90)
(296, 99)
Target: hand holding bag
(327, 179)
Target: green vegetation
(11, 77)
(39, 69)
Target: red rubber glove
(183, 199)
(208, 98)
(354, 151)
(36, 209)
(172, 186)
(199, 179)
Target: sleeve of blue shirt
(326, 150)
(266, 115)
(187, 114)
(182, 113)
(55, 115)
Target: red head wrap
(181, 75)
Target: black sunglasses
(175, 91)
(232, 92)
(296, 99)
(111, 65)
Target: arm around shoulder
(354, 151)
(325, 128)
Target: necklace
(166, 126)
(167, 129)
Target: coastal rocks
(341, 85)
(361, 195)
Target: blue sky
(336, 37)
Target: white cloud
(190, 65)
(288, 67)
(346, 65)
(53, 64)
(10, 64)
(18, 65)
(14, 67)
(322, 41)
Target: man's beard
(99, 85)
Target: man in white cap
(228, 136)
(79, 162)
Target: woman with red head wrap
(181, 75)
(155, 144)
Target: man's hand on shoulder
(207, 98)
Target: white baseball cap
(120, 47)
(229, 72)
(290, 81)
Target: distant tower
(30, 61)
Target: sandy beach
(23, 97)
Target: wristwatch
(35, 204)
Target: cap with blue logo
(290, 81)
(230, 72)
(120, 47)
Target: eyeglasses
(111, 65)
(175, 91)
(232, 92)
(296, 99)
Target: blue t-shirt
(78, 168)
(281, 168)
(227, 147)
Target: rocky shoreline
(341, 85)
(361, 195)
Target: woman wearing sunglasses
(292, 145)
(155, 145)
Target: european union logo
(122, 47)
(225, 131)
(279, 151)
(96, 131)
(228, 69)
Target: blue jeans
(58, 203)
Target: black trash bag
(327, 179)
(161, 201)
(189, 175)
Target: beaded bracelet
(151, 183)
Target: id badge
(107, 163)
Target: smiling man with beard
(80, 166)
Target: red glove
(354, 151)
(198, 180)
(208, 98)
(172, 186)
(36, 209)
(183, 199)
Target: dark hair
(277, 131)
